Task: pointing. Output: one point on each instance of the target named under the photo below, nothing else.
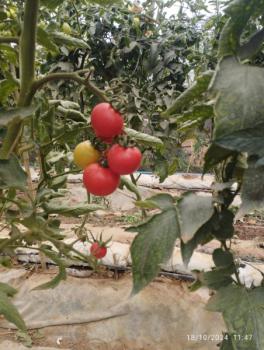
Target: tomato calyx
(100, 241)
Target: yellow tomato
(85, 154)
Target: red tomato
(100, 181)
(98, 251)
(124, 160)
(106, 121)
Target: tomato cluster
(102, 170)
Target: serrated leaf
(12, 174)
(242, 310)
(145, 138)
(54, 207)
(16, 113)
(59, 277)
(152, 246)
(64, 39)
(105, 2)
(194, 211)
(9, 311)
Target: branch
(27, 74)
(9, 39)
(252, 46)
(74, 76)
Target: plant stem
(27, 74)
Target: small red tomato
(100, 181)
(124, 160)
(106, 121)
(97, 250)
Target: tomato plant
(124, 160)
(100, 181)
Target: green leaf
(152, 246)
(54, 207)
(51, 4)
(12, 174)
(202, 236)
(72, 114)
(242, 310)
(190, 95)
(252, 189)
(240, 102)
(145, 138)
(7, 87)
(161, 201)
(16, 113)
(44, 39)
(247, 140)
(9, 311)
(194, 211)
(217, 278)
(222, 258)
(105, 2)
(59, 277)
(214, 155)
(64, 39)
(7, 289)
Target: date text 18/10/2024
(219, 337)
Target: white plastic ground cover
(10, 345)
(162, 317)
(118, 255)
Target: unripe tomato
(98, 251)
(100, 181)
(85, 154)
(106, 121)
(124, 160)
